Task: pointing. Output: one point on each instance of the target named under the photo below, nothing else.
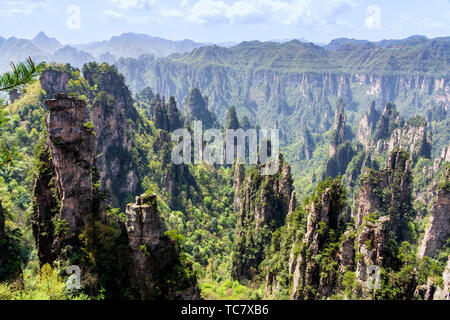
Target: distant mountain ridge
(339, 42)
(133, 45)
(127, 45)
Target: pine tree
(232, 121)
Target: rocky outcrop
(339, 128)
(438, 230)
(166, 116)
(63, 188)
(54, 80)
(156, 270)
(346, 254)
(392, 132)
(387, 190)
(337, 164)
(72, 148)
(307, 145)
(384, 209)
(389, 121)
(367, 124)
(196, 108)
(261, 204)
(443, 293)
(112, 112)
(46, 207)
(371, 244)
(341, 150)
(310, 280)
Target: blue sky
(77, 21)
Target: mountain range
(132, 45)
(45, 48)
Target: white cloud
(21, 7)
(171, 13)
(114, 16)
(133, 4)
(305, 12)
(406, 21)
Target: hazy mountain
(289, 39)
(412, 40)
(45, 43)
(132, 45)
(73, 56)
(337, 43)
(127, 45)
(14, 49)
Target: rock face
(54, 81)
(309, 280)
(154, 256)
(389, 120)
(368, 124)
(72, 148)
(392, 132)
(346, 253)
(371, 244)
(394, 181)
(444, 293)
(338, 162)
(166, 116)
(63, 190)
(339, 128)
(438, 230)
(45, 209)
(261, 204)
(112, 108)
(196, 108)
(297, 94)
(341, 150)
(307, 145)
(383, 209)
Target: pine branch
(22, 74)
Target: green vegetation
(196, 203)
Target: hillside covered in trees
(87, 180)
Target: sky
(81, 21)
